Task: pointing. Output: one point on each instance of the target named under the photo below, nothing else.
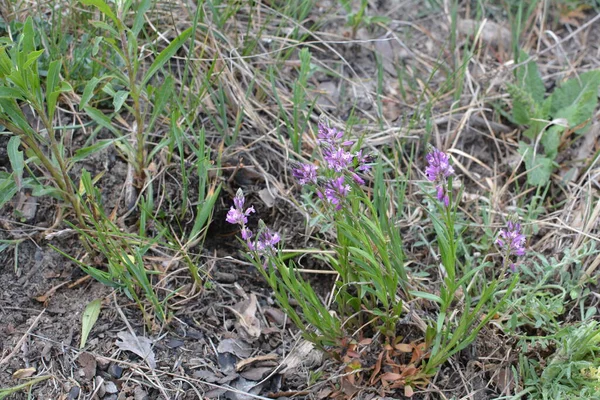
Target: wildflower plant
(455, 329)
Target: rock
(74, 392)
(115, 371)
(110, 387)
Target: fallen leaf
(256, 374)
(237, 347)
(247, 324)
(141, 346)
(23, 373)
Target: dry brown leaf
(23, 373)
(404, 347)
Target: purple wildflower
(512, 240)
(305, 173)
(438, 170)
(362, 161)
(337, 159)
(237, 214)
(265, 242)
(329, 135)
(335, 191)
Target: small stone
(115, 371)
(110, 387)
(111, 397)
(74, 392)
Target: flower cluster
(438, 170)
(512, 241)
(340, 163)
(265, 240)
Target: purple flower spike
(329, 135)
(512, 240)
(438, 170)
(266, 240)
(306, 173)
(236, 214)
(335, 191)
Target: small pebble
(115, 371)
(74, 392)
(111, 397)
(110, 387)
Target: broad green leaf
(17, 161)
(539, 168)
(576, 99)
(166, 54)
(28, 37)
(88, 319)
(551, 140)
(529, 78)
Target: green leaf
(11, 93)
(101, 119)
(104, 9)
(577, 99)
(17, 161)
(539, 167)
(529, 78)
(104, 26)
(138, 22)
(119, 98)
(85, 152)
(427, 296)
(8, 188)
(51, 83)
(166, 54)
(88, 92)
(551, 140)
(88, 319)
